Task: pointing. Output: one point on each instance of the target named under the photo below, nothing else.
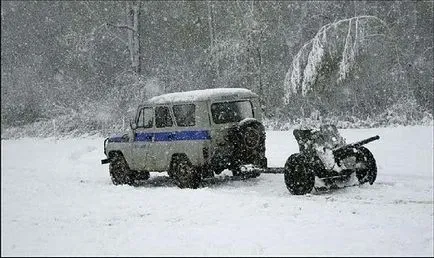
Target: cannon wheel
(299, 175)
(368, 172)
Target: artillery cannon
(326, 159)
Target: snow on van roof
(201, 95)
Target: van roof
(203, 95)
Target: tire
(170, 173)
(119, 171)
(184, 173)
(299, 175)
(248, 141)
(368, 172)
(252, 135)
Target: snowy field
(58, 200)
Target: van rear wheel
(184, 173)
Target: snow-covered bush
(405, 112)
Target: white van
(191, 135)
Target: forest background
(74, 67)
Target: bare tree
(133, 12)
(132, 15)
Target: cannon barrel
(356, 144)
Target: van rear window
(162, 117)
(228, 112)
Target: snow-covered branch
(309, 60)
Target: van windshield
(229, 112)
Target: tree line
(99, 59)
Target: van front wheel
(119, 171)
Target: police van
(190, 135)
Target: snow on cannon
(326, 161)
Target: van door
(163, 137)
(143, 138)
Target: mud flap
(105, 161)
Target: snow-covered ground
(57, 199)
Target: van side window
(146, 118)
(185, 115)
(162, 117)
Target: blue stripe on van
(144, 137)
(174, 136)
(166, 136)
